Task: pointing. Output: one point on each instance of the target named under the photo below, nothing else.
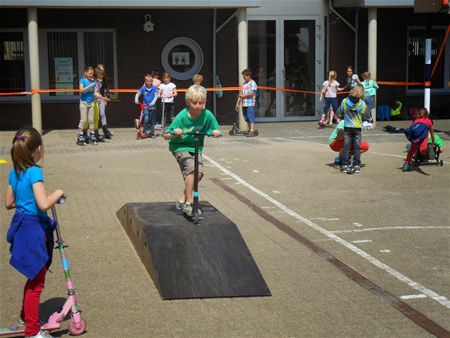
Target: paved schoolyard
(298, 215)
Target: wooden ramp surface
(187, 260)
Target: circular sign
(182, 58)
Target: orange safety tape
(397, 83)
(440, 52)
(224, 89)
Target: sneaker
(20, 322)
(81, 141)
(252, 133)
(356, 168)
(344, 168)
(42, 334)
(93, 139)
(405, 167)
(188, 209)
(179, 205)
(99, 137)
(337, 161)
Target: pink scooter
(77, 325)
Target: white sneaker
(179, 205)
(42, 334)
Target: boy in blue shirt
(150, 95)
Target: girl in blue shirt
(31, 230)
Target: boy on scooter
(191, 119)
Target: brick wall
(138, 53)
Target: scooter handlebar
(200, 133)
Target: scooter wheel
(76, 330)
(441, 163)
(232, 132)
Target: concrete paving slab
(290, 164)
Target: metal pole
(243, 53)
(33, 46)
(372, 53)
(214, 60)
(427, 74)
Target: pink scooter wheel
(76, 330)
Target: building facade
(288, 44)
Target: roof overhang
(374, 3)
(130, 4)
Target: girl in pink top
(329, 91)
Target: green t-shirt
(438, 140)
(206, 122)
(333, 136)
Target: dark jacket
(31, 239)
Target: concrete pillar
(242, 53)
(372, 51)
(33, 46)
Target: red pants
(338, 145)
(422, 146)
(30, 305)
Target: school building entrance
(285, 53)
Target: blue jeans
(352, 135)
(149, 120)
(369, 103)
(249, 114)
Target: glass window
(99, 49)
(62, 61)
(12, 64)
(299, 67)
(261, 56)
(416, 58)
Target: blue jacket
(31, 239)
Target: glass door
(299, 68)
(283, 54)
(262, 61)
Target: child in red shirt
(417, 134)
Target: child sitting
(418, 134)
(192, 118)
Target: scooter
(77, 325)
(196, 215)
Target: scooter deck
(12, 331)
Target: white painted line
(276, 192)
(392, 228)
(362, 241)
(385, 251)
(326, 219)
(255, 171)
(417, 286)
(419, 296)
(357, 224)
(226, 178)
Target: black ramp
(186, 260)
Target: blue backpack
(417, 132)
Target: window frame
(44, 62)
(26, 59)
(445, 58)
(43, 55)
